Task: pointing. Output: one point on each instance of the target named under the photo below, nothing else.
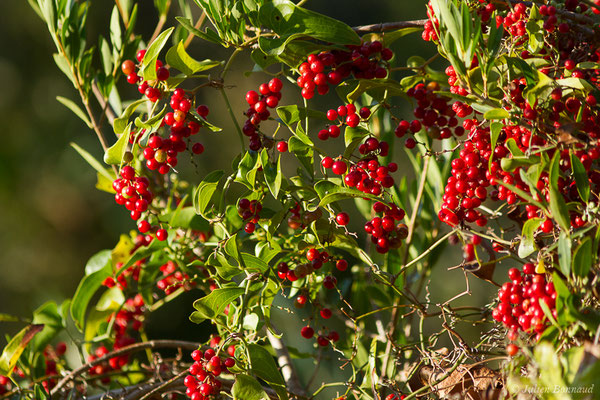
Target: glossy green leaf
(263, 365)
(575, 83)
(76, 110)
(178, 57)
(98, 261)
(581, 178)
(564, 253)
(390, 87)
(527, 244)
(206, 190)
(496, 113)
(94, 163)
(247, 388)
(285, 19)
(495, 129)
(121, 123)
(558, 207)
(212, 305)
(541, 90)
(254, 263)
(114, 154)
(341, 193)
(15, 347)
(292, 114)
(303, 152)
(49, 317)
(209, 35)
(582, 258)
(148, 68)
(115, 29)
(88, 286)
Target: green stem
(232, 115)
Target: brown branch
(390, 26)
(125, 350)
(106, 109)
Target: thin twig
(199, 23)
(125, 350)
(285, 363)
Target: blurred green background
(54, 219)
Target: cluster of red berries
(5, 384)
(469, 248)
(268, 97)
(368, 175)
(395, 397)
(121, 281)
(366, 61)
(467, 186)
(519, 307)
(132, 192)
(338, 167)
(173, 279)
(432, 25)
(249, 210)
(348, 115)
(432, 112)
(161, 153)
(129, 68)
(323, 339)
(385, 234)
(128, 317)
(51, 357)
(203, 379)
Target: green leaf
(495, 129)
(582, 258)
(93, 162)
(49, 317)
(254, 263)
(263, 365)
(205, 191)
(273, 175)
(527, 245)
(177, 57)
(121, 123)
(209, 35)
(292, 114)
(63, 64)
(496, 113)
(575, 83)
(76, 110)
(114, 154)
(88, 286)
(338, 193)
(115, 29)
(389, 86)
(16, 346)
(391, 37)
(211, 306)
(285, 19)
(564, 253)
(247, 388)
(351, 134)
(541, 90)
(581, 178)
(558, 207)
(98, 261)
(303, 152)
(148, 68)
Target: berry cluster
(129, 68)
(268, 97)
(249, 210)
(366, 61)
(173, 279)
(383, 229)
(519, 307)
(325, 337)
(203, 379)
(432, 112)
(121, 281)
(161, 153)
(345, 114)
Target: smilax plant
(504, 143)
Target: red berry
(161, 234)
(342, 219)
(512, 349)
(339, 167)
(341, 265)
(326, 313)
(307, 332)
(282, 146)
(275, 85)
(197, 148)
